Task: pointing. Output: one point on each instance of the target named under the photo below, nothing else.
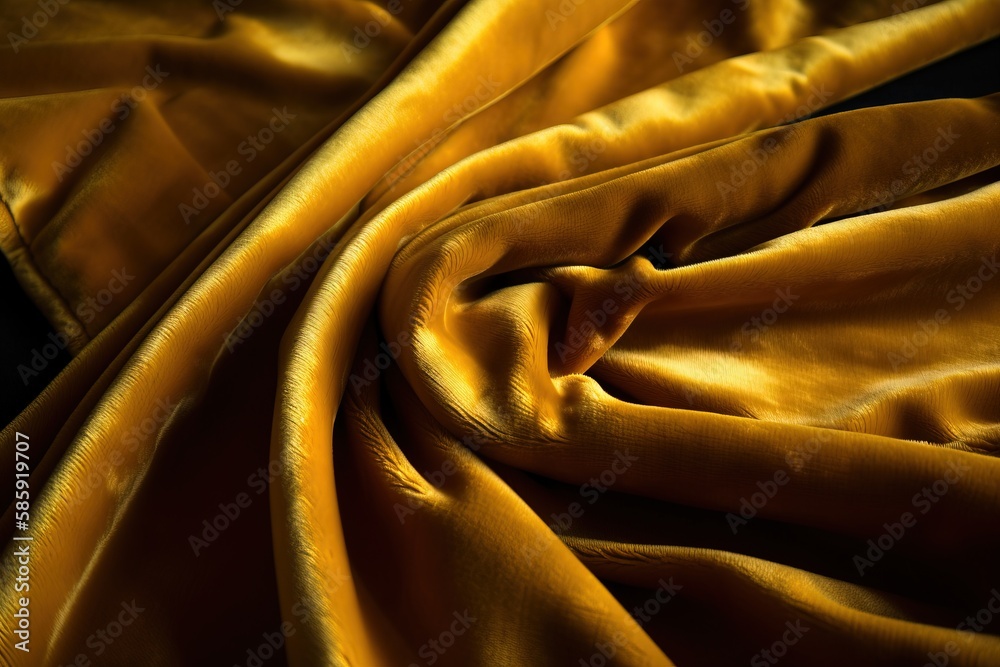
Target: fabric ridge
(500, 332)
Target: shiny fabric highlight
(504, 332)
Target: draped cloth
(503, 332)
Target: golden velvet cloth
(503, 332)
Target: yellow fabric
(536, 335)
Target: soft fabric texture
(503, 332)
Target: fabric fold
(548, 333)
